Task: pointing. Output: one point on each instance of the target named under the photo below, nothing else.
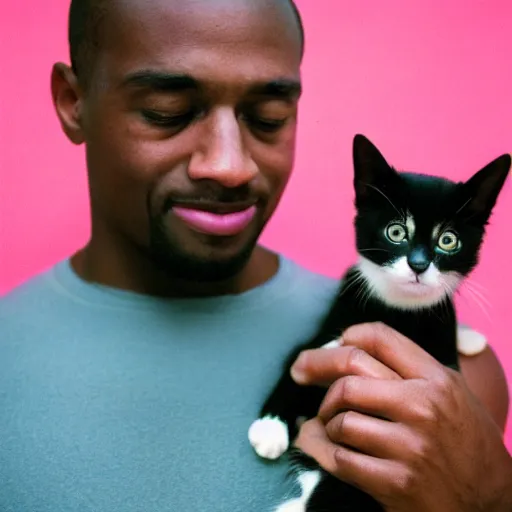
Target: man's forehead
(168, 47)
(180, 17)
(184, 7)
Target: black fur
(384, 196)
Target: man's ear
(68, 100)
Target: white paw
(332, 344)
(269, 437)
(470, 342)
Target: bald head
(87, 19)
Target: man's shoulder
(315, 280)
(311, 286)
(29, 296)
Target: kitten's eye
(448, 241)
(396, 233)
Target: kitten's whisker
(476, 284)
(386, 197)
(482, 298)
(478, 301)
(354, 281)
(364, 294)
(369, 294)
(481, 294)
(449, 289)
(361, 293)
(373, 249)
(484, 309)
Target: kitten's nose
(418, 260)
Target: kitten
(417, 237)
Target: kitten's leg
(470, 342)
(278, 424)
(289, 402)
(283, 413)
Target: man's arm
(486, 379)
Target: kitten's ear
(370, 167)
(481, 191)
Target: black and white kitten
(417, 237)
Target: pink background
(428, 82)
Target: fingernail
(297, 371)
(298, 376)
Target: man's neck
(132, 271)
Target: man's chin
(199, 257)
(212, 267)
(216, 270)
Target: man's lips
(216, 219)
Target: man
(131, 372)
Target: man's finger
(324, 366)
(370, 474)
(384, 398)
(393, 350)
(368, 435)
(313, 440)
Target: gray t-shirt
(112, 401)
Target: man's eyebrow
(280, 88)
(159, 81)
(176, 82)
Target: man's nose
(221, 154)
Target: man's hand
(416, 439)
